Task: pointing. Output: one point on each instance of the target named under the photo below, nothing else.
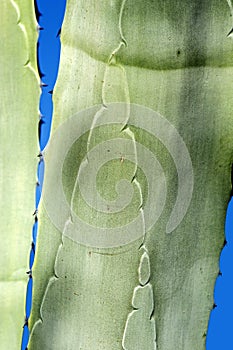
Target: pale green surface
(178, 62)
(19, 98)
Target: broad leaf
(169, 64)
(19, 98)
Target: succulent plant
(137, 174)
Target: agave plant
(18, 142)
(137, 178)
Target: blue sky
(220, 335)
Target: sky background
(50, 16)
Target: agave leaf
(156, 291)
(19, 98)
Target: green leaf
(170, 65)
(19, 98)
